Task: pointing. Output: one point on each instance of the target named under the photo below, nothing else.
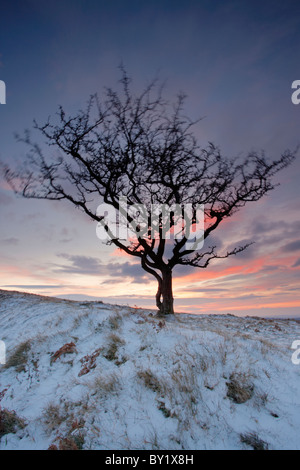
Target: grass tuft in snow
(150, 380)
(239, 388)
(10, 423)
(19, 357)
(53, 417)
(252, 440)
(105, 384)
(115, 321)
(111, 353)
(61, 419)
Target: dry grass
(10, 422)
(68, 348)
(115, 321)
(106, 384)
(184, 380)
(239, 388)
(113, 346)
(177, 392)
(150, 380)
(252, 440)
(71, 442)
(53, 416)
(19, 357)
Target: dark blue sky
(236, 60)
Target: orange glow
(206, 274)
(286, 304)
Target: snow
(149, 383)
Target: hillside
(87, 375)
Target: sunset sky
(235, 60)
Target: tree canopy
(144, 150)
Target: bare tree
(142, 149)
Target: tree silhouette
(140, 149)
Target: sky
(236, 62)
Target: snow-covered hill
(86, 375)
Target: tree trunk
(164, 295)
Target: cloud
(86, 265)
(109, 282)
(30, 286)
(203, 289)
(292, 246)
(80, 265)
(269, 268)
(134, 271)
(10, 241)
(296, 264)
(5, 198)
